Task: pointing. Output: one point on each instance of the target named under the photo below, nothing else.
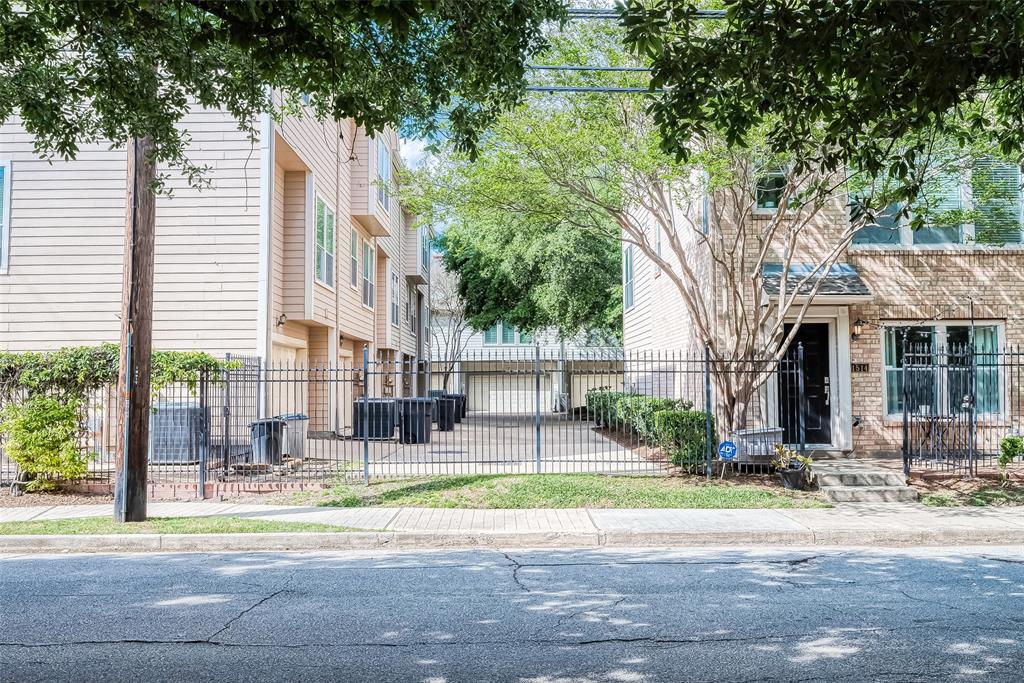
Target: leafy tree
(78, 72)
(836, 83)
(449, 328)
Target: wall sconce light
(858, 329)
(281, 320)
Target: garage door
(507, 393)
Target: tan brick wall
(918, 285)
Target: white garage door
(507, 393)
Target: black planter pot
(794, 478)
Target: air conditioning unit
(175, 433)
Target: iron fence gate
(959, 402)
(259, 426)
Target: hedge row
(670, 424)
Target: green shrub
(638, 413)
(1010, 448)
(682, 435)
(42, 438)
(602, 407)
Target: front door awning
(842, 283)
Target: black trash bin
(446, 411)
(414, 419)
(382, 418)
(435, 394)
(267, 441)
(460, 406)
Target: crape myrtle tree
(127, 71)
(596, 163)
(449, 328)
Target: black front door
(817, 407)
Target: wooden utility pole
(133, 406)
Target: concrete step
(870, 494)
(857, 478)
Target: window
(994, 207)
(946, 198)
(627, 278)
(941, 370)
(705, 214)
(884, 229)
(383, 174)
(996, 191)
(5, 212)
(424, 250)
(491, 335)
(354, 266)
(506, 335)
(768, 190)
(410, 297)
(396, 295)
(324, 243)
(369, 263)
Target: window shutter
(996, 189)
(884, 230)
(508, 334)
(491, 335)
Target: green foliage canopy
(837, 83)
(79, 72)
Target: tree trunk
(133, 408)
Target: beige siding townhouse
(298, 252)
(891, 281)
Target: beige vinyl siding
(67, 221)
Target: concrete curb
(359, 540)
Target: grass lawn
(982, 497)
(561, 491)
(160, 525)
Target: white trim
(5, 218)
(309, 246)
(840, 385)
(266, 222)
(334, 254)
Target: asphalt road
(544, 616)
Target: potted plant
(793, 469)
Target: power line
(589, 88)
(599, 13)
(569, 67)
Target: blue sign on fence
(727, 450)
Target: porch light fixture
(281, 320)
(858, 329)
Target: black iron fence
(515, 410)
(962, 404)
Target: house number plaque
(860, 367)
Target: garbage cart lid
(291, 417)
(417, 399)
(266, 421)
(753, 431)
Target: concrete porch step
(870, 494)
(858, 478)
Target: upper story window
(990, 199)
(324, 266)
(705, 214)
(369, 270)
(506, 335)
(354, 263)
(383, 174)
(627, 277)
(396, 295)
(424, 250)
(5, 213)
(768, 190)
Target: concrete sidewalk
(861, 525)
